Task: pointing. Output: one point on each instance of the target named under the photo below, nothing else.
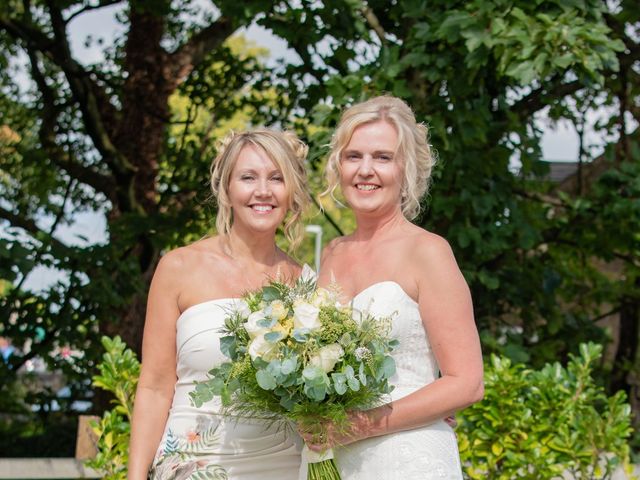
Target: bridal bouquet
(296, 353)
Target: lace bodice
(416, 365)
(423, 453)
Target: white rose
(278, 310)
(322, 296)
(252, 327)
(260, 347)
(305, 315)
(327, 357)
(242, 308)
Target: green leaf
(388, 367)
(265, 380)
(273, 337)
(289, 365)
(339, 383)
(270, 294)
(228, 346)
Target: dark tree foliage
(546, 262)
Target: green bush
(119, 372)
(546, 423)
(532, 424)
(50, 435)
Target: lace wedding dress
(200, 444)
(425, 453)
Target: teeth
(366, 187)
(262, 208)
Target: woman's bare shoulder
(429, 243)
(337, 244)
(190, 257)
(432, 258)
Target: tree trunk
(625, 372)
(140, 137)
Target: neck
(259, 248)
(372, 226)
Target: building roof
(559, 171)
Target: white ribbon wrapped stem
(316, 457)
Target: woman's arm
(447, 313)
(154, 394)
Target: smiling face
(370, 169)
(257, 192)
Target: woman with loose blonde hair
(389, 267)
(258, 180)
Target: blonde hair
(413, 147)
(286, 151)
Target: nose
(365, 167)
(263, 189)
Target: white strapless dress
(424, 453)
(200, 444)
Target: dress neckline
(306, 273)
(198, 306)
(383, 282)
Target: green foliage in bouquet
(545, 424)
(119, 372)
(295, 352)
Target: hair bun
(222, 144)
(300, 149)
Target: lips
(262, 208)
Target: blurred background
(109, 115)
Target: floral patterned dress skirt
(199, 443)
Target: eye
(385, 157)
(352, 156)
(247, 177)
(277, 178)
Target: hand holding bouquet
(296, 353)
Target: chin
(360, 206)
(265, 226)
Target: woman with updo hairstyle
(258, 180)
(381, 160)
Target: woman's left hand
(331, 436)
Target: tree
(96, 137)
(130, 137)
(478, 72)
(535, 254)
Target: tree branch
(627, 258)
(103, 4)
(326, 215)
(613, 311)
(58, 155)
(192, 53)
(372, 19)
(32, 37)
(84, 89)
(538, 99)
(30, 226)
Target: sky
(559, 141)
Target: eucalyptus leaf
(270, 293)
(228, 346)
(265, 380)
(273, 336)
